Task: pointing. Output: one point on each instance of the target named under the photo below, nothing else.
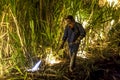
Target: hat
(69, 17)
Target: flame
(82, 54)
(51, 59)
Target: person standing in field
(73, 33)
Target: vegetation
(31, 30)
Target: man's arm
(82, 31)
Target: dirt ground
(86, 69)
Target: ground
(100, 68)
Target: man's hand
(77, 41)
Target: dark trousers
(73, 53)
(73, 60)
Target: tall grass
(29, 26)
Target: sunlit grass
(113, 2)
(1, 70)
(22, 30)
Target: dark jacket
(71, 35)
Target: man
(73, 33)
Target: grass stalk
(18, 33)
